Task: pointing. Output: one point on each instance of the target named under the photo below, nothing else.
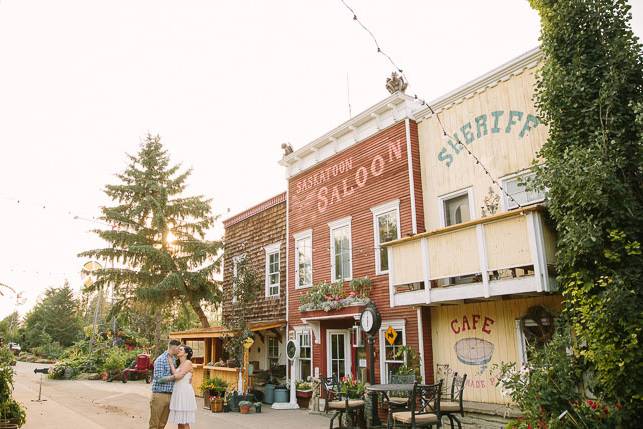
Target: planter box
(344, 311)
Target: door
(338, 351)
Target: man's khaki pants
(159, 410)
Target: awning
(262, 326)
(222, 331)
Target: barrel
(269, 393)
(281, 395)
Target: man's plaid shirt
(161, 369)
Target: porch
(510, 253)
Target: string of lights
(23, 203)
(445, 135)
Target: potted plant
(12, 414)
(304, 393)
(352, 388)
(244, 406)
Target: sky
(223, 83)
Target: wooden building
(349, 191)
(486, 260)
(256, 236)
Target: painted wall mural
(472, 338)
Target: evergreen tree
(157, 239)
(9, 327)
(55, 318)
(590, 94)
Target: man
(161, 388)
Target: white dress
(183, 402)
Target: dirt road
(101, 405)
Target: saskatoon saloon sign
(342, 180)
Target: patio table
(374, 389)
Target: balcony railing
(508, 253)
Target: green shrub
(51, 350)
(13, 411)
(116, 360)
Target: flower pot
(244, 409)
(7, 424)
(104, 375)
(303, 398)
(206, 400)
(216, 405)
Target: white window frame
(270, 250)
(333, 226)
(235, 261)
(444, 198)
(268, 357)
(505, 179)
(299, 335)
(348, 364)
(377, 212)
(298, 237)
(397, 325)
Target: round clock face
(291, 349)
(367, 320)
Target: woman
(182, 403)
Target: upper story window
(236, 262)
(516, 185)
(456, 207)
(304, 259)
(272, 269)
(340, 249)
(386, 224)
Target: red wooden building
(349, 191)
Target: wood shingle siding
(248, 233)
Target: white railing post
(391, 276)
(537, 249)
(424, 246)
(484, 264)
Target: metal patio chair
(453, 404)
(424, 408)
(339, 403)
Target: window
(392, 361)
(273, 352)
(386, 224)
(272, 270)
(305, 355)
(533, 331)
(517, 186)
(303, 259)
(340, 249)
(235, 275)
(457, 207)
(197, 346)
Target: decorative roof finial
(287, 148)
(395, 83)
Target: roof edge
(512, 67)
(256, 209)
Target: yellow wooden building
(488, 255)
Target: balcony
(505, 254)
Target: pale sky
(223, 83)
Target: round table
(374, 389)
